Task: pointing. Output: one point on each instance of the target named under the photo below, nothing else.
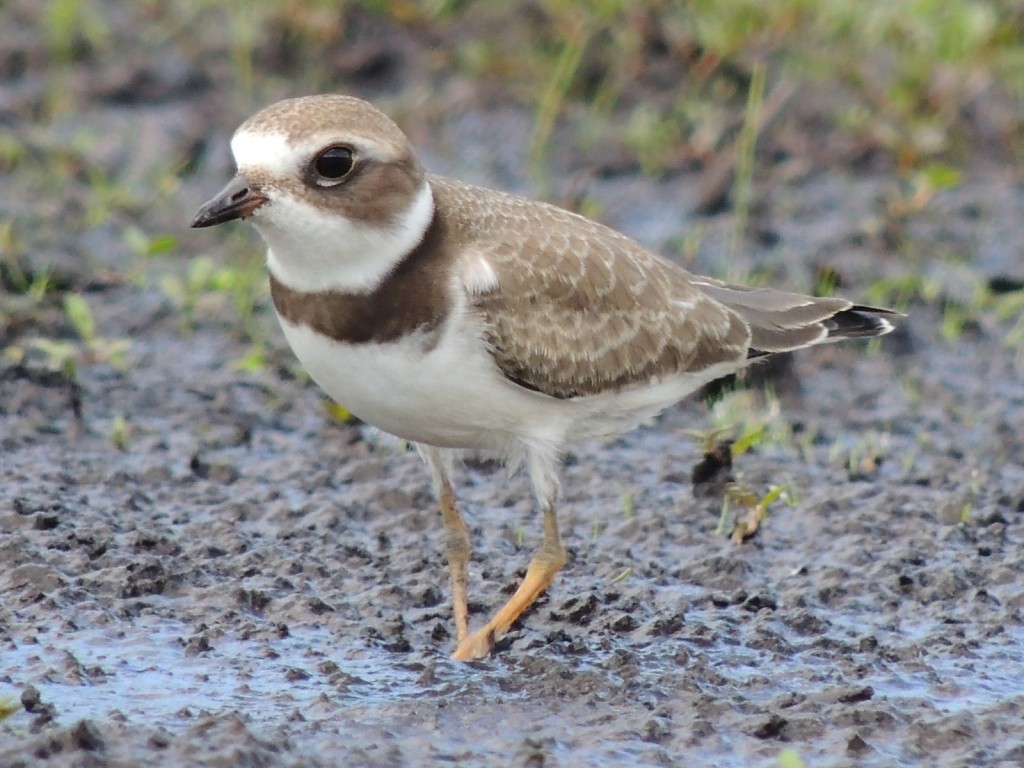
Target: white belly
(450, 396)
(453, 396)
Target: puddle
(146, 673)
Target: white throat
(310, 249)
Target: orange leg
(542, 569)
(456, 548)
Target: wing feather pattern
(579, 309)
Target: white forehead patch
(270, 152)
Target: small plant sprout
(752, 510)
(211, 286)
(252, 361)
(79, 313)
(97, 348)
(120, 432)
(627, 504)
(1006, 307)
(862, 454)
(66, 356)
(61, 356)
(149, 246)
(33, 284)
(207, 284)
(921, 189)
(623, 575)
(751, 420)
(184, 292)
(975, 486)
(965, 513)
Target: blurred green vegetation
(902, 72)
(897, 75)
(903, 78)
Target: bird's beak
(236, 201)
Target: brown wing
(578, 309)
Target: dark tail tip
(860, 322)
(857, 322)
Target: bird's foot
(476, 646)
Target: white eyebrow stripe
(270, 152)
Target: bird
(460, 318)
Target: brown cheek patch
(385, 191)
(376, 194)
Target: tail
(783, 322)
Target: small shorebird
(458, 317)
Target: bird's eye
(333, 164)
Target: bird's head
(332, 185)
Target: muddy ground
(199, 567)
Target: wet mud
(242, 579)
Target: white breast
(450, 395)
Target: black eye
(333, 164)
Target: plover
(458, 317)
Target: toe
(476, 646)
